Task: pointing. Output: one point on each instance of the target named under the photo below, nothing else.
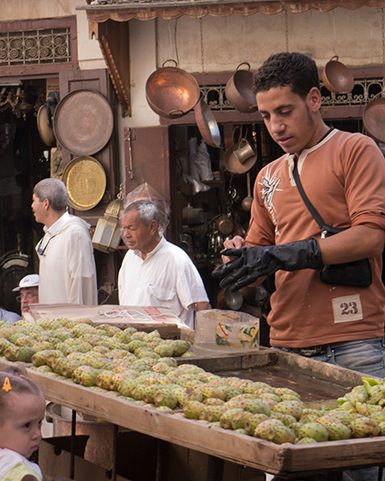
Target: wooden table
(316, 382)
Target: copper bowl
(337, 78)
(172, 92)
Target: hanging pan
(207, 124)
(336, 77)
(45, 131)
(239, 90)
(240, 158)
(374, 118)
(172, 92)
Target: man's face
(28, 295)
(135, 234)
(38, 209)
(289, 118)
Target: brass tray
(86, 181)
(83, 122)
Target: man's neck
(52, 218)
(155, 241)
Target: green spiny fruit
(42, 346)
(255, 406)
(287, 419)
(252, 422)
(165, 397)
(161, 367)
(338, 431)
(180, 347)
(364, 427)
(103, 379)
(164, 350)
(85, 375)
(239, 419)
(275, 431)
(213, 413)
(381, 426)
(305, 441)
(58, 363)
(4, 343)
(358, 394)
(229, 391)
(118, 378)
(150, 392)
(294, 408)
(43, 369)
(295, 427)
(286, 391)
(192, 409)
(126, 386)
(24, 354)
(213, 401)
(11, 352)
(379, 417)
(227, 416)
(69, 367)
(25, 341)
(315, 431)
(137, 392)
(169, 360)
(135, 344)
(212, 391)
(189, 394)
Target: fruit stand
(316, 382)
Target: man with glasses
(29, 291)
(66, 257)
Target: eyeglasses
(27, 295)
(40, 250)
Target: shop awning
(123, 11)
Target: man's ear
(153, 227)
(46, 204)
(313, 99)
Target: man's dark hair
(294, 69)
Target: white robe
(67, 265)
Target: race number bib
(347, 308)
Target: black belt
(310, 351)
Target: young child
(22, 410)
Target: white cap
(32, 280)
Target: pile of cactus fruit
(142, 368)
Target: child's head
(22, 410)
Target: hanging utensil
(239, 90)
(207, 124)
(374, 118)
(247, 201)
(234, 300)
(172, 92)
(336, 77)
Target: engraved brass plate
(86, 181)
(83, 122)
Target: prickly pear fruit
(287, 419)
(192, 409)
(338, 431)
(364, 427)
(305, 441)
(215, 412)
(227, 416)
(275, 431)
(294, 408)
(252, 422)
(239, 419)
(254, 406)
(165, 397)
(103, 379)
(315, 431)
(358, 394)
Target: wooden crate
(315, 381)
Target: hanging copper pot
(239, 90)
(336, 77)
(207, 125)
(374, 118)
(172, 92)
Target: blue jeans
(366, 356)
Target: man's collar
(56, 226)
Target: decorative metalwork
(35, 47)
(363, 92)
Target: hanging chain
(244, 35)
(383, 42)
(287, 30)
(201, 38)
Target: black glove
(261, 261)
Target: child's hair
(13, 380)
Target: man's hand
(250, 263)
(236, 242)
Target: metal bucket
(99, 447)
